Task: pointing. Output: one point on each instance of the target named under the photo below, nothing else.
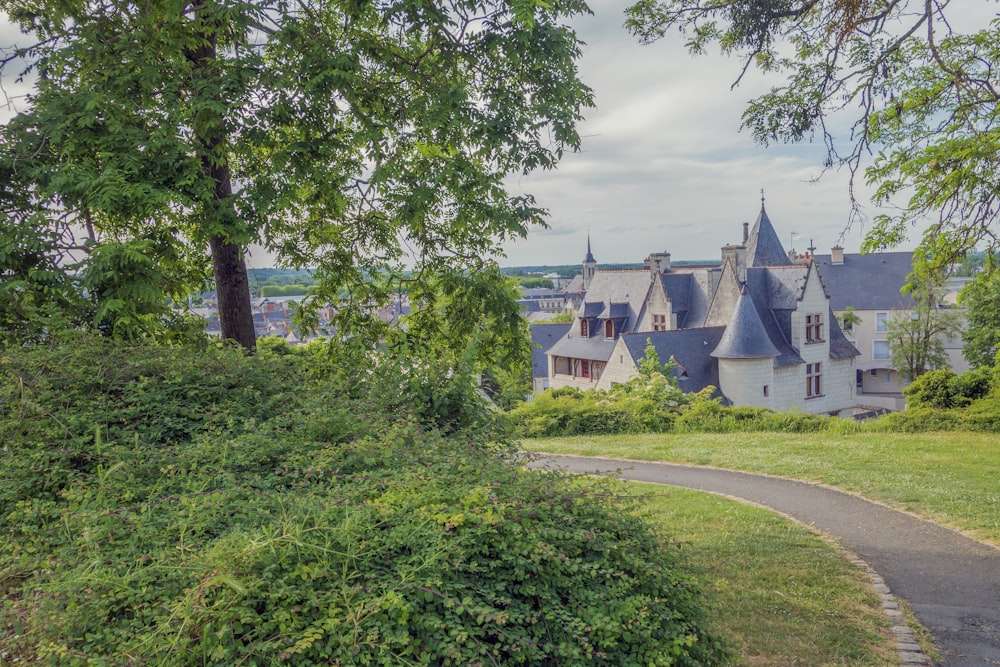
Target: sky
(664, 165)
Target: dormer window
(814, 328)
(584, 327)
(609, 328)
(659, 322)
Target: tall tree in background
(916, 338)
(363, 139)
(921, 100)
(981, 298)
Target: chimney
(837, 255)
(746, 232)
(737, 254)
(658, 262)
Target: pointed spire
(763, 246)
(745, 336)
(590, 256)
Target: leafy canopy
(916, 338)
(981, 299)
(919, 97)
(368, 140)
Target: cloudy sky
(664, 166)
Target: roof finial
(762, 199)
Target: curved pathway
(950, 582)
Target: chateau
(759, 328)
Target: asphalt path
(950, 582)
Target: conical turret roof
(763, 246)
(589, 259)
(745, 337)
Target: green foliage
(943, 389)
(170, 506)
(981, 299)
(648, 402)
(904, 90)
(283, 290)
(362, 139)
(535, 282)
(916, 339)
(708, 415)
(849, 319)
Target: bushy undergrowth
(168, 506)
(650, 403)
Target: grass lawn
(780, 593)
(951, 478)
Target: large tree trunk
(231, 284)
(233, 289)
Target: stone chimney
(837, 255)
(746, 232)
(658, 262)
(737, 254)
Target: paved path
(950, 582)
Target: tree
(919, 97)
(363, 139)
(916, 338)
(849, 319)
(981, 298)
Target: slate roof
(543, 337)
(597, 348)
(626, 289)
(689, 348)
(774, 294)
(867, 282)
(574, 285)
(745, 336)
(763, 246)
(840, 347)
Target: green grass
(950, 478)
(784, 596)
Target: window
(814, 328)
(881, 322)
(584, 327)
(584, 368)
(874, 372)
(880, 349)
(609, 328)
(659, 322)
(813, 380)
(766, 391)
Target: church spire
(590, 256)
(589, 266)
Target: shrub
(272, 513)
(943, 389)
(917, 420)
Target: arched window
(584, 328)
(609, 328)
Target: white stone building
(759, 328)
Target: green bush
(943, 389)
(181, 507)
(983, 414)
(917, 420)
